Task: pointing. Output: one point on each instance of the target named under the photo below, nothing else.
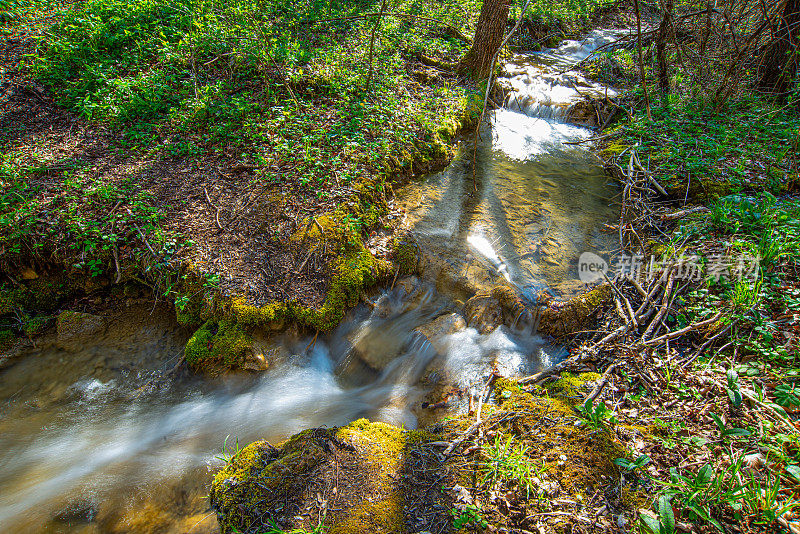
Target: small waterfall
(544, 85)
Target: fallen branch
(555, 369)
(216, 216)
(705, 345)
(683, 213)
(686, 330)
(600, 385)
(460, 439)
(662, 312)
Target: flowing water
(529, 200)
(97, 435)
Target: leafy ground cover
(233, 126)
(251, 144)
(697, 150)
(715, 387)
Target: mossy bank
(534, 449)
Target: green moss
(355, 271)
(261, 477)
(35, 325)
(635, 499)
(271, 316)
(588, 303)
(10, 298)
(577, 457)
(40, 295)
(405, 254)
(6, 338)
(569, 385)
(240, 487)
(217, 345)
(385, 442)
(384, 516)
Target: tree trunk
(661, 47)
(372, 42)
(779, 64)
(641, 60)
(488, 37)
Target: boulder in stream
(364, 477)
(377, 347)
(489, 309)
(218, 346)
(441, 327)
(483, 312)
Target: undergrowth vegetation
(729, 169)
(698, 150)
(322, 97)
(283, 88)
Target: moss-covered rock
(565, 318)
(406, 255)
(218, 345)
(356, 470)
(579, 458)
(502, 304)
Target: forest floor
(150, 143)
(119, 164)
(698, 384)
(198, 147)
(693, 367)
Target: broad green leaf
(705, 474)
(651, 523)
(666, 515)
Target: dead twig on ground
(216, 216)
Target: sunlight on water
(522, 137)
(529, 200)
(100, 439)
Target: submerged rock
(76, 329)
(440, 328)
(376, 347)
(483, 312)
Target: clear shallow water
(100, 438)
(529, 200)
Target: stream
(97, 436)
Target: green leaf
(651, 523)
(736, 432)
(705, 474)
(666, 515)
(718, 421)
